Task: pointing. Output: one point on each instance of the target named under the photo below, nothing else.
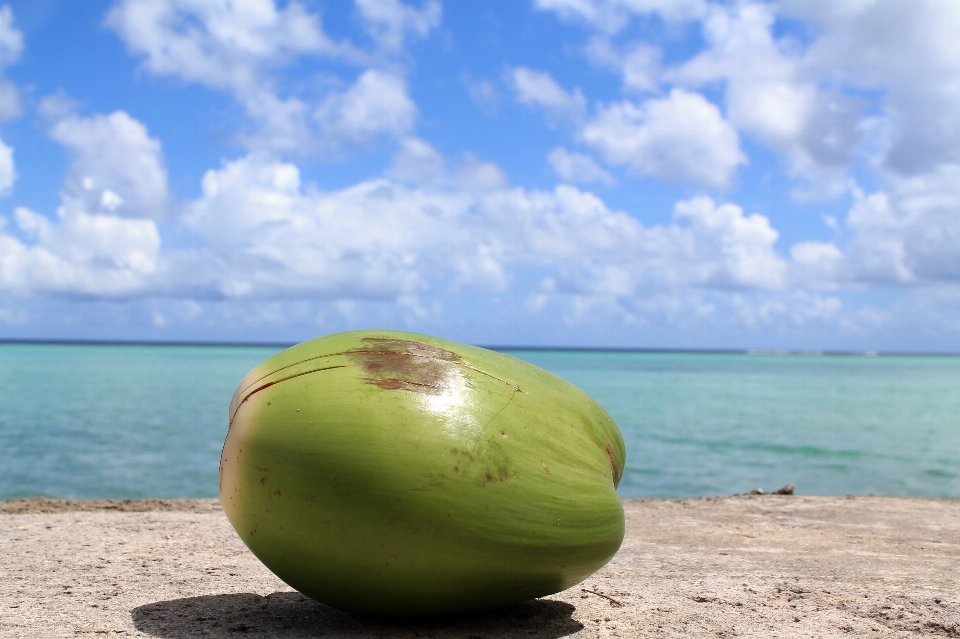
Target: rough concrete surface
(763, 566)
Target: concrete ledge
(763, 566)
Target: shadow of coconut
(290, 614)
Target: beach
(747, 565)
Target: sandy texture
(764, 566)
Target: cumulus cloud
(639, 64)
(763, 91)
(682, 137)
(738, 247)
(613, 15)
(263, 234)
(539, 89)
(875, 83)
(78, 254)
(269, 236)
(770, 93)
(909, 232)
(241, 48)
(117, 168)
(419, 163)
(436, 226)
(11, 40)
(389, 21)
(906, 233)
(102, 241)
(221, 44)
(8, 172)
(11, 46)
(577, 167)
(376, 104)
(817, 264)
(909, 51)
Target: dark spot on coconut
(263, 480)
(396, 364)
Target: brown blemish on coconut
(397, 364)
(400, 364)
(393, 364)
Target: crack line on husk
(466, 365)
(502, 408)
(269, 384)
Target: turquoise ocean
(131, 421)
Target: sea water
(125, 421)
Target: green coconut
(396, 474)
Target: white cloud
(11, 40)
(418, 162)
(241, 48)
(613, 15)
(770, 94)
(811, 102)
(390, 20)
(270, 239)
(117, 167)
(236, 47)
(681, 138)
(539, 89)
(376, 104)
(10, 106)
(435, 226)
(78, 254)
(739, 249)
(816, 264)
(220, 43)
(98, 244)
(265, 235)
(909, 232)
(904, 234)
(911, 52)
(577, 167)
(11, 46)
(638, 63)
(8, 173)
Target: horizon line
(583, 349)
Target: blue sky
(637, 173)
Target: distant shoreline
(502, 348)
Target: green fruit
(396, 474)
